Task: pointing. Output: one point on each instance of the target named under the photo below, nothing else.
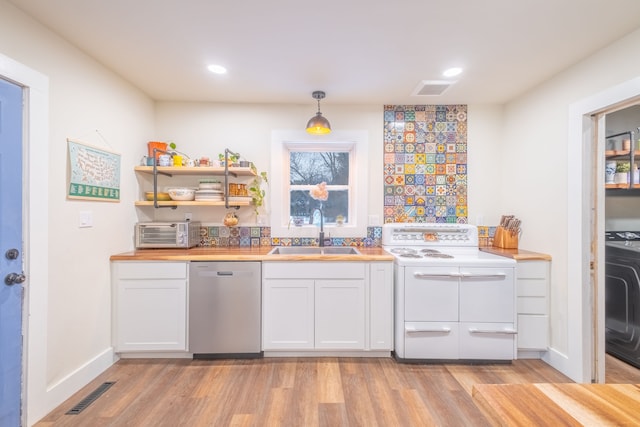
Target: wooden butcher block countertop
(559, 404)
(243, 254)
(517, 254)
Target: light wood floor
(299, 392)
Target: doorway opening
(621, 284)
(585, 357)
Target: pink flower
(320, 192)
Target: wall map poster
(94, 174)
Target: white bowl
(181, 193)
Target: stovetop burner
(410, 255)
(430, 251)
(402, 251)
(437, 255)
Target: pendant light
(317, 124)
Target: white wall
(207, 129)
(534, 181)
(84, 97)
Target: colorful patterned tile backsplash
(425, 170)
(245, 237)
(221, 236)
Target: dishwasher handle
(223, 273)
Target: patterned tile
(425, 156)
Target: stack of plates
(209, 195)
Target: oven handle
(493, 331)
(414, 330)
(483, 276)
(419, 275)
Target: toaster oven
(184, 234)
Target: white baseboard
(156, 355)
(60, 391)
(560, 362)
(317, 353)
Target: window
(308, 169)
(340, 161)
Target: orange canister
(155, 144)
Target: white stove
(437, 244)
(452, 301)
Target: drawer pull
(413, 330)
(493, 331)
(436, 276)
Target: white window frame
(281, 143)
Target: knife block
(505, 239)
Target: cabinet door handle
(493, 331)
(412, 330)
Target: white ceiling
(358, 51)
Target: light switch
(86, 219)
(374, 220)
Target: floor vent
(90, 398)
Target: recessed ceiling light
(217, 69)
(451, 72)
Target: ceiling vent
(432, 87)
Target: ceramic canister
(610, 171)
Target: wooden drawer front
(532, 270)
(431, 340)
(532, 305)
(150, 270)
(533, 332)
(532, 288)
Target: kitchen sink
(340, 250)
(314, 250)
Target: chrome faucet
(321, 234)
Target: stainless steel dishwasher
(225, 309)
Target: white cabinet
(380, 317)
(288, 314)
(339, 314)
(149, 306)
(532, 282)
(329, 306)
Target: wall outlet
(188, 216)
(374, 220)
(86, 219)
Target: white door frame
(585, 349)
(35, 233)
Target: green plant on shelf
(172, 146)
(256, 192)
(622, 167)
(232, 158)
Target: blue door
(11, 272)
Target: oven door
(431, 294)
